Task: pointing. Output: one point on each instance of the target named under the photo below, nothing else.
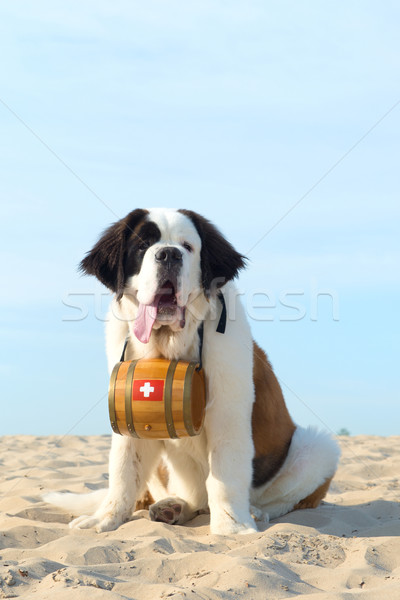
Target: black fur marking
(144, 236)
(219, 260)
(119, 252)
(267, 466)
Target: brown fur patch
(144, 501)
(313, 500)
(272, 426)
(162, 473)
(146, 498)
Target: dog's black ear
(106, 259)
(219, 260)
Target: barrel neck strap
(220, 329)
(124, 349)
(200, 331)
(222, 319)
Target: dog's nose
(169, 256)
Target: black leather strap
(124, 349)
(222, 320)
(220, 328)
(201, 336)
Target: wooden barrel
(157, 398)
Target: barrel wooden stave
(177, 399)
(119, 398)
(198, 401)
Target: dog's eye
(143, 245)
(187, 246)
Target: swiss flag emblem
(148, 389)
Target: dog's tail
(76, 504)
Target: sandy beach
(347, 548)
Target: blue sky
(236, 110)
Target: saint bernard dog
(250, 463)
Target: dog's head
(162, 258)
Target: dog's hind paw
(172, 511)
(167, 511)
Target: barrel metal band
(128, 399)
(169, 419)
(111, 398)
(187, 398)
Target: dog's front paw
(106, 523)
(233, 529)
(259, 514)
(226, 523)
(83, 522)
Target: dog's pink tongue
(144, 322)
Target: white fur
(312, 458)
(213, 469)
(176, 229)
(76, 503)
